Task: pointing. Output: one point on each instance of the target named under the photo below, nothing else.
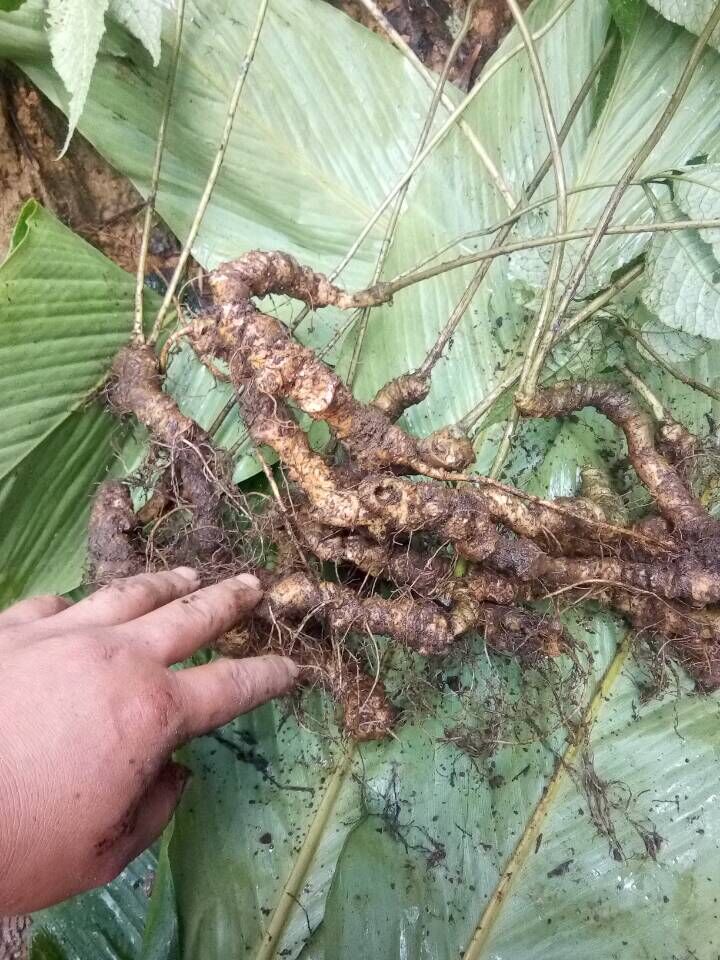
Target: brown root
(261, 348)
(196, 469)
(112, 529)
(259, 273)
(397, 541)
(404, 391)
(674, 500)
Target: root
(404, 391)
(674, 500)
(418, 626)
(261, 348)
(396, 515)
(195, 466)
(112, 552)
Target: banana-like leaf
(114, 919)
(66, 310)
(455, 838)
(45, 504)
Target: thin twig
(440, 135)
(214, 172)
(404, 47)
(462, 305)
(387, 289)
(527, 381)
(473, 418)
(138, 334)
(671, 368)
(631, 171)
(654, 402)
(399, 200)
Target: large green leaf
(66, 309)
(113, 920)
(45, 503)
(423, 845)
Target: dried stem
(528, 374)
(474, 416)
(467, 131)
(395, 214)
(462, 305)
(138, 334)
(214, 172)
(633, 167)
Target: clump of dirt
(388, 536)
(80, 188)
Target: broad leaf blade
(66, 309)
(683, 281)
(45, 504)
(105, 924)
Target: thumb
(157, 807)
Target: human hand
(91, 713)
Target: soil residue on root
(387, 536)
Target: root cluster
(386, 535)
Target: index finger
(180, 628)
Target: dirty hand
(91, 713)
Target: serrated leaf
(143, 18)
(683, 280)
(76, 28)
(697, 193)
(691, 15)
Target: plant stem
(439, 137)
(138, 335)
(631, 171)
(462, 305)
(473, 417)
(395, 214)
(407, 51)
(388, 289)
(528, 378)
(214, 172)
(671, 368)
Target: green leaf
(76, 28)
(45, 503)
(697, 193)
(421, 846)
(683, 280)
(105, 924)
(66, 309)
(693, 16)
(143, 18)
(11, 4)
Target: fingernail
(188, 573)
(248, 580)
